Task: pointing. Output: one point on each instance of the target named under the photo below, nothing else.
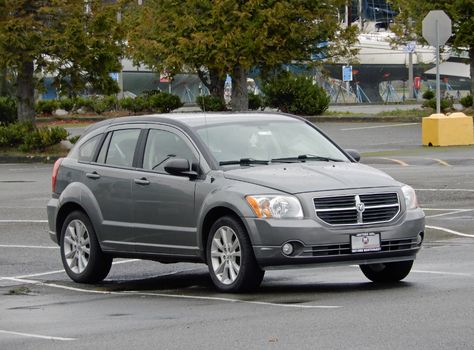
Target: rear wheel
(82, 257)
(230, 257)
(387, 272)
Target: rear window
(87, 149)
(119, 148)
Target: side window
(119, 148)
(87, 149)
(162, 145)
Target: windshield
(267, 141)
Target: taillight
(55, 173)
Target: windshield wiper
(244, 161)
(304, 158)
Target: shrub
(67, 104)
(211, 103)
(26, 137)
(163, 102)
(295, 94)
(444, 104)
(14, 134)
(41, 138)
(135, 105)
(104, 104)
(428, 94)
(8, 112)
(466, 101)
(74, 139)
(46, 106)
(84, 102)
(255, 102)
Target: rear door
(165, 218)
(110, 180)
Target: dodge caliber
(242, 193)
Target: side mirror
(179, 167)
(354, 154)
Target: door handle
(142, 181)
(93, 175)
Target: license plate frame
(365, 242)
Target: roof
(195, 120)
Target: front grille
(345, 249)
(357, 209)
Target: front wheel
(82, 257)
(387, 272)
(230, 257)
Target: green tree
(220, 37)
(408, 24)
(77, 42)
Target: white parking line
(379, 126)
(28, 246)
(443, 273)
(450, 231)
(30, 335)
(398, 161)
(453, 211)
(175, 296)
(445, 189)
(23, 221)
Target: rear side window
(119, 148)
(87, 150)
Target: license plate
(365, 242)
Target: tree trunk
(3, 82)
(471, 56)
(25, 93)
(213, 81)
(240, 98)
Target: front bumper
(316, 243)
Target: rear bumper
(52, 211)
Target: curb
(366, 119)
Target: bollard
(455, 129)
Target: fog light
(419, 239)
(287, 249)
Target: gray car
(242, 193)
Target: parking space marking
(398, 161)
(23, 221)
(440, 161)
(62, 270)
(446, 189)
(30, 335)
(443, 273)
(28, 246)
(451, 212)
(174, 296)
(379, 126)
(450, 231)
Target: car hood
(312, 176)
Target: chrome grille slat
(342, 210)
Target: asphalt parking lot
(145, 305)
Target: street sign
(410, 47)
(436, 31)
(436, 21)
(346, 73)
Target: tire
(230, 258)
(81, 255)
(388, 272)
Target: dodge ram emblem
(360, 207)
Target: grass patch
(53, 151)
(19, 291)
(337, 113)
(415, 112)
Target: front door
(165, 218)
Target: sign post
(437, 30)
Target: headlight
(410, 197)
(274, 206)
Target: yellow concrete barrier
(455, 129)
